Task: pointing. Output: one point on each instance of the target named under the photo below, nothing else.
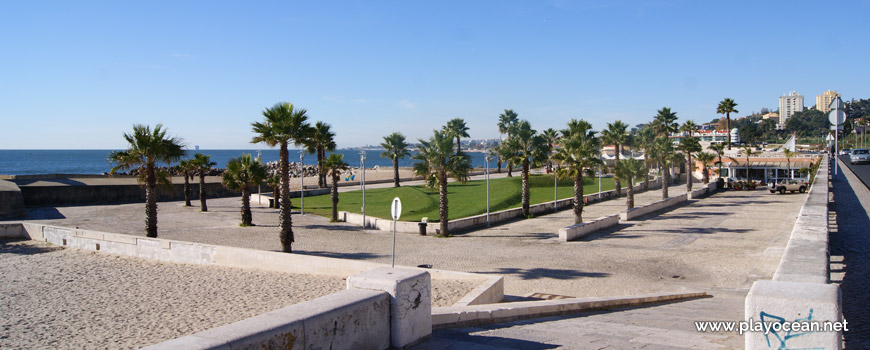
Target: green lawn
(464, 200)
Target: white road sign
(396, 208)
(837, 116)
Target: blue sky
(79, 74)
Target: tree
(689, 145)
(616, 133)
(187, 169)
(531, 149)
(628, 170)
(396, 148)
(333, 166)
(275, 183)
(242, 173)
(203, 164)
(645, 140)
(437, 162)
(719, 149)
(809, 122)
(457, 128)
(788, 155)
(748, 152)
(506, 122)
(147, 147)
(283, 124)
(663, 153)
(665, 122)
(507, 153)
(580, 152)
(551, 136)
(726, 107)
(320, 139)
(705, 158)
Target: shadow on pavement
(12, 246)
(44, 213)
(538, 272)
(352, 256)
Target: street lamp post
(488, 158)
(362, 159)
(555, 188)
(302, 186)
(259, 190)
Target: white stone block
(787, 302)
(410, 301)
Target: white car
(845, 152)
(860, 155)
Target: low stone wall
(635, 212)
(462, 316)
(702, 192)
(11, 201)
(93, 194)
(350, 319)
(576, 231)
(800, 289)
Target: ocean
(34, 162)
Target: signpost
(396, 211)
(837, 116)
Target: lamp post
(302, 186)
(362, 160)
(555, 187)
(259, 190)
(487, 159)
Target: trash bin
(422, 225)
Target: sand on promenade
(66, 298)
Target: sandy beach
(72, 299)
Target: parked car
(860, 155)
(788, 185)
(845, 152)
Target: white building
(789, 105)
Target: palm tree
(283, 124)
(506, 122)
(748, 152)
(507, 152)
(663, 152)
(531, 149)
(551, 136)
(705, 158)
(689, 145)
(187, 169)
(396, 148)
(333, 166)
(146, 148)
(617, 135)
(275, 183)
(726, 107)
(242, 173)
(788, 154)
(580, 152)
(719, 149)
(319, 141)
(645, 140)
(665, 122)
(203, 164)
(437, 162)
(628, 170)
(457, 128)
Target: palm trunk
(321, 175)
(186, 189)
(645, 176)
(666, 180)
(247, 219)
(706, 174)
(457, 145)
(202, 205)
(728, 126)
(150, 200)
(688, 172)
(617, 182)
(578, 197)
(334, 194)
(720, 167)
(284, 216)
(510, 169)
(498, 164)
(276, 192)
(525, 195)
(395, 171)
(629, 199)
(442, 205)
